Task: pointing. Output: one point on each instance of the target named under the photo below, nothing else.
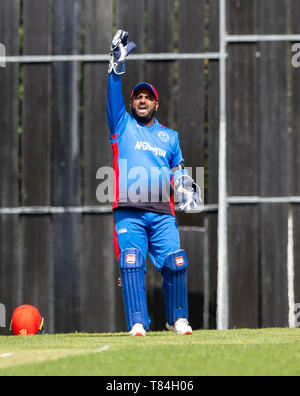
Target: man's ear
(157, 106)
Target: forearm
(115, 102)
(120, 49)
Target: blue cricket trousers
(151, 232)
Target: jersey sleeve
(177, 157)
(116, 111)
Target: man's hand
(188, 193)
(120, 49)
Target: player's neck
(147, 123)
(150, 123)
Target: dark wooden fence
(54, 137)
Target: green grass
(236, 352)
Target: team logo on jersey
(164, 136)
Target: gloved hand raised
(120, 49)
(188, 193)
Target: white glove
(120, 49)
(189, 194)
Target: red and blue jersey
(143, 157)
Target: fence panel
(10, 236)
(273, 132)
(66, 165)
(243, 173)
(36, 160)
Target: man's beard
(143, 119)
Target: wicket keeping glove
(187, 191)
(120, 49)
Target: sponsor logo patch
(179, 261)
(122, 231)
(130, 258)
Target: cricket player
(149, 170)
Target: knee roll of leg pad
(133, 269)
(175, 286)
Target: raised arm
(120, 49)
(115, 104)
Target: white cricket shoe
(138, 330)
(181, 327)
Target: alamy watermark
(296, 56)
(140, 184)
(2, 55)
(2, 316)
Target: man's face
(144, 106)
